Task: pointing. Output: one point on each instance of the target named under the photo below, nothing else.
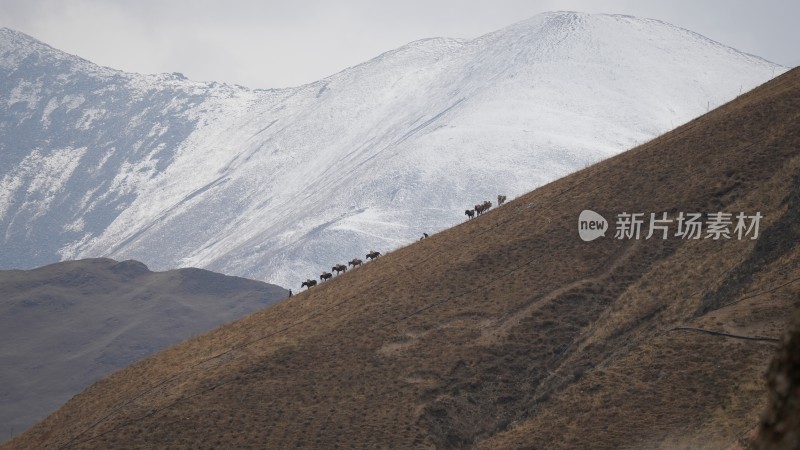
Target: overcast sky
(269, 43)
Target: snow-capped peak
(282, 184)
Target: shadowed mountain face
(64, 326)
(280, 184)
(509, 331)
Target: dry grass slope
(508, 331)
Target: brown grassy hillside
(508, 331)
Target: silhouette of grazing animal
(470, 213)
(373, 254)
(324, 276)
(308, 283)
(355, 262)
(339, 268)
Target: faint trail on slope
(502, 326)
(720, 333)
(414, 130)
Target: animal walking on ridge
(324, 276)
(470, 213)
(481, 208)
(500, 199)
(373, 254)
(355, 262)
(339, 268)
(308, 283)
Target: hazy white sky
(270, 43)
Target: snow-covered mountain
(280, 184)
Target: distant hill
(280, 184)
(64, 326)
(509, 331)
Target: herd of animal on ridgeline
(339, 268)
(479, 209)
